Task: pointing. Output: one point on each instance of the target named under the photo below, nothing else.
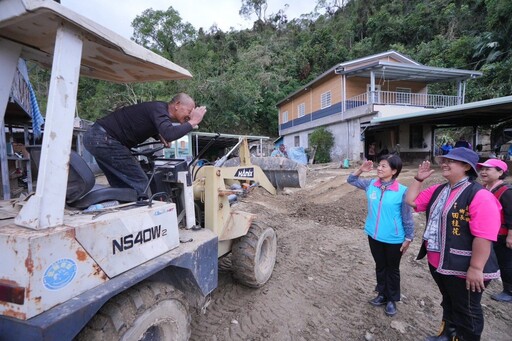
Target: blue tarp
(298, 155)
(37, 117)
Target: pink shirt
(484, 215)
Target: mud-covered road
(324, 275)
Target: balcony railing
(402, 98)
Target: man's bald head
(181, 106)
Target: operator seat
(82, 190)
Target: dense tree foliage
(241, 75)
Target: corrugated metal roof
(389, 71)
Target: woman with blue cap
(463, 220)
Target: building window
(403, 95)
(285, 117)
(301, 108)
(296, 141)
(325, 100)
(416, 136)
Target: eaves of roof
(486, 112)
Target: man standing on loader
(109, 139)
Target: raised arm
(354, 179)
(367, 166)
(414, 189)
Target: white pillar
(371, 98)
(9, 55)
(46, 208)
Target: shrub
(323, 140)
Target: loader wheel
(254, 256)
(148, 311)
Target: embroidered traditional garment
(433, 231)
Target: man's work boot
(505, 295)
(446, 333)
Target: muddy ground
(324, 275)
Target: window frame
(301, 110)
(285, 116)
(325, 100)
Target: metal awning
(487, 112)
(105, 54)
(391, 71)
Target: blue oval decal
(59, 274)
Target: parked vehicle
(125, 271)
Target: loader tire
(254, 256)
(148, 311)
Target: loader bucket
(281, 172)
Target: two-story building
(346, 98)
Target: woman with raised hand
(492, 174)
(463, 220)
(389, 226)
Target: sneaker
(390, 309)
(378, 301)
(502, 297)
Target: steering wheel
(147, 152)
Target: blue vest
(384, 220)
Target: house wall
(356, 86)
(409, 154)
(346, 126)
(311, 98)
(283, 108)
(392, 110)
(333, 85)
(346, 130)
(415, 87)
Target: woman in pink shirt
(492, 173)
(463, 220)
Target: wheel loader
(127, 272)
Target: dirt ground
(324, 275)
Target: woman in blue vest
(389, 226)
(463, 220)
